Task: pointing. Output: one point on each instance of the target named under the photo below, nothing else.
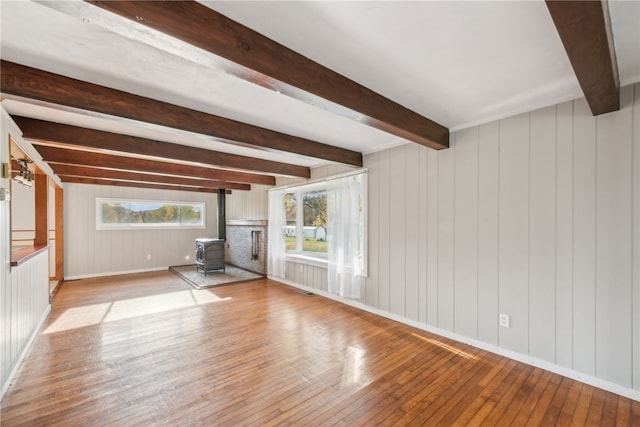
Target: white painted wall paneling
(613, 236)
(91, 252)
(636, 236)
(411, 222)
(397, 237)
(385, 277)
(371, 290)
(423, 256)
(24, 290)
(29, 298)
(465, 224)
(536, 216)
(252, 204)
(433, 169)
(5, 255)
(513, 251)
(488, 221)
(564, 236)
(584, 242)
(542, 233)
(445, 253)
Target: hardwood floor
(148, 349)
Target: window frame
(148, 226)
(319, 259)
(299, 253)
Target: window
(128, 214)
(291, 214)
(306, 223)
(314, 226)
(322, 224)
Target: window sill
(309, 260)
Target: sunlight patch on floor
(94, 314)
(446, 347)
(354, 370)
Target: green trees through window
(112, 213)
(312, 215)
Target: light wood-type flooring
(148, 350)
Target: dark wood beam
(116, 183)
(585, 31)
(261, 60)
(22, 81)
(42, 130)
(100, 160)
(91, 172)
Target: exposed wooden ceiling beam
(85, 158)
(111, 182)
(42, 130)
(272, 65)
(61, 169)
(22, 81)
(585, 31)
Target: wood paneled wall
(536, 216)
(5, 254)
(28, 299)
(24, 290)
(253, 204)
(91, 252)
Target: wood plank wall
(536, 216)
(5, 254)
(91, 252)
(29, 299)
(247, 205)
(24, 290)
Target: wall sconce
(25, 175)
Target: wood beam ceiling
(63, 169)
(585, 31)
(98, 181)
(66, 134)
(22, 81)
(100, 160)
(261, 60)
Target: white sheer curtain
(277, 220)
(344, 196)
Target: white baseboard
(25, 351)
(529, 360)
(113, 273)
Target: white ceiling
(457, 63)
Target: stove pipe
(222, 214)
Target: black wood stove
(209, 255)
(210, 252)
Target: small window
(127, 214)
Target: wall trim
(247, 222)
(25, 351)
(297, 258)
(529, 360)
(112, 273)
